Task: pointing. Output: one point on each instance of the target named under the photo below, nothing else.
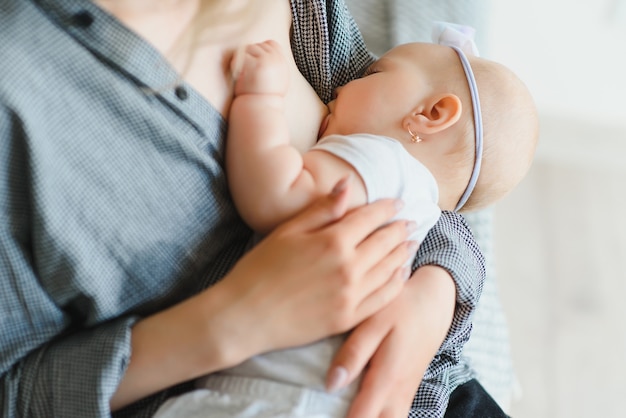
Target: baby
(414, 127)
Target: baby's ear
(434, 114)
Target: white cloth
(225, 396)
(388, 170)
(290, 382)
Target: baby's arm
(269, 179)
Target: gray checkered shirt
(114, 205)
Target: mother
(116, 219)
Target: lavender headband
(461, 39)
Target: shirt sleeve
(73, 376)
(327, 45)
(450, 244)
(46, 370)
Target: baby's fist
(260, 69)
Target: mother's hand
(319, 274)
(399, 342)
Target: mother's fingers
(324, 211)
(382, 295)
(380, 396)
(355, 353)
(359, 223)
(372, 288)
(385, 240)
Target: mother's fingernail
(336, 379)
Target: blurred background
(560, 238)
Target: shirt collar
(111, 41)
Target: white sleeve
(389, 171)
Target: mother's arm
(52, 365)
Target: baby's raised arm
(269, 179)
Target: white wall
(560, 237)
(572, 54)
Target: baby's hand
(260, 69)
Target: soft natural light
(571, 54)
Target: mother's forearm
(451, 246)
(179, 344)
(434, 290)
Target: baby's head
(510, 130)
(419, 94)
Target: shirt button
(83, 19)
(181, 93)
